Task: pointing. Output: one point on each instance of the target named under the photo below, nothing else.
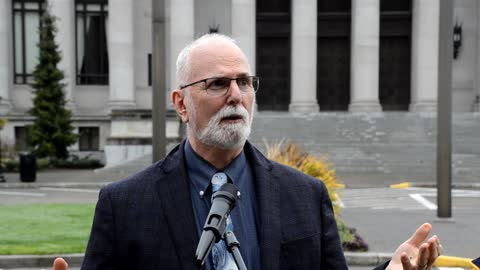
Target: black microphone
(222, 204)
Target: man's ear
(178, 100)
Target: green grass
(45, 228)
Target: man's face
(219, 121)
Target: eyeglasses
(219, 86)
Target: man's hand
(60, 264)
(413, 255)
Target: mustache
(229, 111)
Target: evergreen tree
(52, 130)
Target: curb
(96, 185)
(31, 261)
(457, 185)
(367, 258)
(412, 185)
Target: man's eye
(243, 82)
(218, 84)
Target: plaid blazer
(147, 220)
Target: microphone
(222, 204)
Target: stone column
(180, 30)
(244, 28)
(303, 87)
(365, 51)
(476, 98)
(6, 66)
(424, 81)
(120, 54)
(64, 10)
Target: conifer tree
(52, 130)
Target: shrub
(292, 156)
(9, 165)
(3, 122)
(74, 162)
(13, 165)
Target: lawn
(45, 228)
(64, 228)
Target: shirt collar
(196, 165)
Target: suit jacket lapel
(268, 198)
(174, 193)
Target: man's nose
(234, 93)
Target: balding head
(216, 122)
(204, 44)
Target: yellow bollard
(449, 261)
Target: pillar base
(303, 107)
(365, 106)
(424, 106)
(5, 106)
(121, 105)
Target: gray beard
(224, 135)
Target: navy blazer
(147, 220)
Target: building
(345, 56)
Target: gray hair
(183, 58)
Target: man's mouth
(232, 118)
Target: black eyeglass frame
(254, 78)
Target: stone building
(314, 57)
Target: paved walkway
(104, 175)
(78, 178)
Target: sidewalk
(383, 230)
(102, 176)
(78, 178)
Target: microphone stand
(232, 246)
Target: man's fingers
(420, 235)
(60, 264)
(406, 264)
(433, 251)
(422, 259)
(439, 246)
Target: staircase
(389, 143)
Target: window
(91, 41)
(21, 138)
(26, 21)
(88, 140)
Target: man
(283, 218)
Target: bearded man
(283, 218)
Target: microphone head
(230, 188)
(227, 192)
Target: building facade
(313, 56)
